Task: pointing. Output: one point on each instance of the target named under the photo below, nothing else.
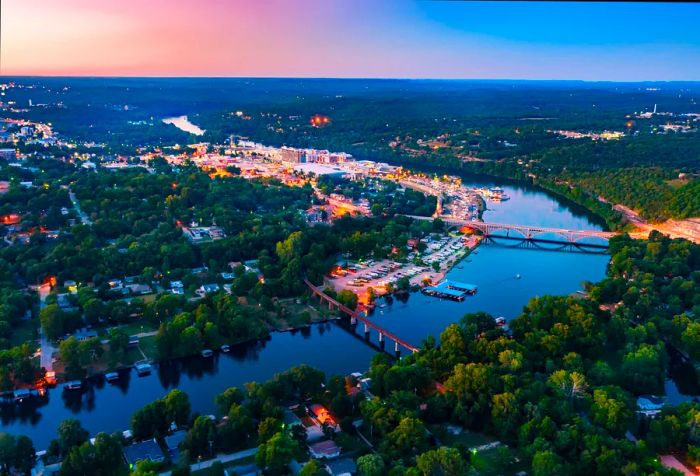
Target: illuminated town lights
(320, 120)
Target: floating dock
(451, 290)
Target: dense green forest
(559, 389)
(134, 230)
(506, 123)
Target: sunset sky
(351, 38)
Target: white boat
(22, 394)
(143, 369)
(225, 348)
(73, 385)
(112, 376)
(207, 353)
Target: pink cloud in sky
(343, 38)
(183, 37)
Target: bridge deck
(318, 292)
(526, 230)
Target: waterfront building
(289, 155)
(148, 450)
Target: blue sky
(570, 23)
(352, 38)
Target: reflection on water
(507, 278)
(682, 384)
(336, 348)
(182, 123)
(103, 406)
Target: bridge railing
(355, 315)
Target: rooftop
(445, 290)
(145, 450)
(324, 449)
(319, 169)
(341, 467)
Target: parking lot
(376, 274)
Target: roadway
(688, 229)
(76, 204)
(426, 190)
(223, 458)
(47, 348)
(526, 230)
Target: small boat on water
(73, 385)
(517, 276)
(207, 353)
(143, 369)
(112, 376)
(21, 395)
(225, 348)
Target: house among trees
(324, 449)
(148, 450)
(322, 414)
(341, 467)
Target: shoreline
(470, 246)
(61, 378)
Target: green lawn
(148, 347)
(498, 461)
(467, 438)
(133, 328)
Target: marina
(447, 289)
(412, 316)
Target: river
(507, 273)
(106, 407)
(184, 124)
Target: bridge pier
(368, 325)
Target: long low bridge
(355, 316)
(527, 232)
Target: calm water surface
(106, 407)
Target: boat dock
(451, 290)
